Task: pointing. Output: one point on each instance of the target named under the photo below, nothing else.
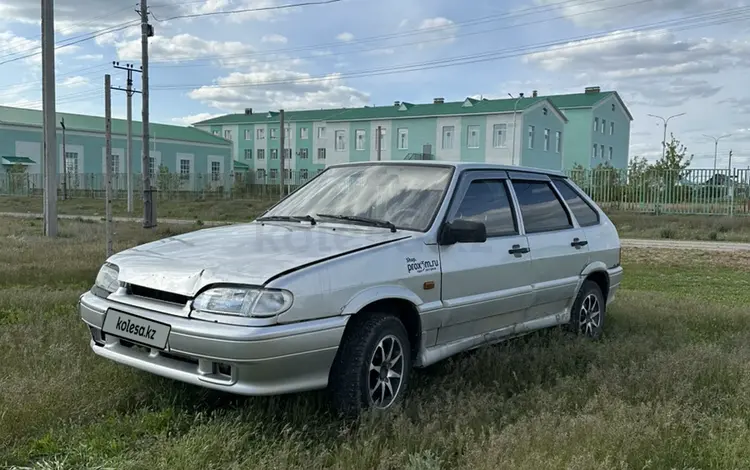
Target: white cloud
(403, 23)
(291, 90)
(89, 57)
(345, 37)
(193, 118)
(381, 51)
(185, 47)
(437, 31)
(262, 12)
(275, 38)
(75, 82)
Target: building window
(304, 133)
(303, 174)
(546, 140)
(151, 165)
(248, 154)
(595, 152)
(596, 124)
(216, 133)
(604, 125)
(448, 137)
(71, 163)
(321, 153)
(115, 164)
(602, 149)
(499, 133)
(340, 142)
(611, 128)
(610, 153)
(287, 133)
(215, 171)
(613, 106)
(260, 134)
(321, 132)
(288, 154)
(359, 139)
(303, 154)
(184, 169)
(273, 173)
(558, 142)
(472, 137)
(274, 133)
(261, 173)
(403, 138)
(274, 154)
(248, 134)
(531, 137)
(228, 134)
(261, 154)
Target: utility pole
(129, 91)
(716, 146)
(49, 121)
(108, 154)
(283, 154)
(664, 140)
(515, 109)
(64, 163)
(377, 141)
(149, 205)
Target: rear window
(583, 212)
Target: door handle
(578, 243)
(517, 250)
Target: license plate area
(136, 329)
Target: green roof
(468, 106)
(14, 160)
(381, 112)
(81, 122)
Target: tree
(675, 159)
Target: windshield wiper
(288, 218)
(363, 220)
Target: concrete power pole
(283, 154)
(64, 162)
(378, 140)
(149, 205)
(108, 154)
(129, 91)
(50, 121)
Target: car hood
(251, 253)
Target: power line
(359, 51)
(680, 24)
(471, 22)
(245, 10)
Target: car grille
(160, 295)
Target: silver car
(365, 272)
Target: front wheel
(587, 313)
(373, 364)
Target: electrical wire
(722, 17)
(246, 10)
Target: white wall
(385, 152)
(338, 156)
(453, 154)
(320, 143)
(499, 155)
(261, 144)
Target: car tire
(375, 349)
(588, 311)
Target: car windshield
(406, 196)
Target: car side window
(488, 201)
(583, 212)
(541, 209)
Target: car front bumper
(244, 360)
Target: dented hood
(250, 253)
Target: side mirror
(463, 231)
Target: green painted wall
(619, 140)
(538, 157)
(421, 131)
(577, 138)
(473, 154)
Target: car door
(557, 245)
(485, 286)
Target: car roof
(457, 165)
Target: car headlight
(243, 301)
(107, 279)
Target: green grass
(667, 387)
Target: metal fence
(694, 191)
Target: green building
(551, 132)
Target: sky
(664, 57)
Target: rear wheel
(587, 313)
(373, 364)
